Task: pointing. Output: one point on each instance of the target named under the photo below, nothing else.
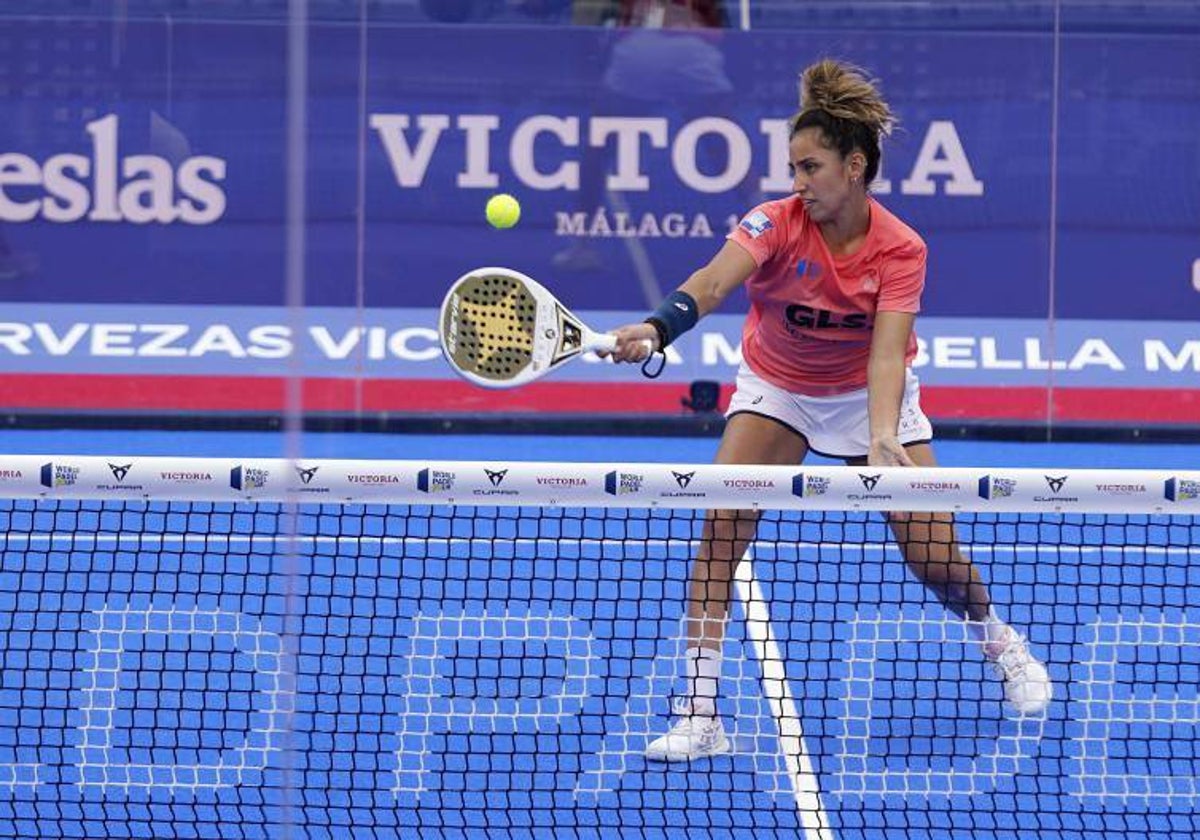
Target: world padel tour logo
(1181, 489)
(995, 487)
(435, 481)
(807, 486)
(496, 480)
(248, 478)
(869, 482)
(59, 475)
(623, 483)
(683, 480)
(1056, 484)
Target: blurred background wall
(1048, 152)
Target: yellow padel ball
(503, 211)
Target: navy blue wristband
(675, 316)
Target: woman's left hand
(887, 452)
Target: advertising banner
(143, 207)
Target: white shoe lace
(1013, 665)
(1013, 661)
(681, 707)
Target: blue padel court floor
(175, 670)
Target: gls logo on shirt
(799, 315)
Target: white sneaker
(692, 737)
(1027, 685)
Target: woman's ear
(856, 166)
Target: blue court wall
(143, 206)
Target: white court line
(783, 706)
(136, 538)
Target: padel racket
(500, 329)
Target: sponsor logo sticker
(622, 483)
(756, 224)
(435, 481)
(1056, 484)
(59, 475)
(869, 482)
(748, 484)
(185, 476)
(1181, 489)
(496, 479)
(996, 487)
(119, 473)
(561, 481)
(373, 479)
(248, 478)
(683, 480)
(806, 486)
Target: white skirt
(836, 426)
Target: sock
(703, 672)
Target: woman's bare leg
(748, 439)
(930, 548)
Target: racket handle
(604, 341)
(608, 342)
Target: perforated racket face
(488, 325)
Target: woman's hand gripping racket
(501, 329)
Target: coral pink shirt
(811, 314)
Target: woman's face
(819, 175)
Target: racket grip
(605, 341)
(608, 342)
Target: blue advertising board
(150, 172)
